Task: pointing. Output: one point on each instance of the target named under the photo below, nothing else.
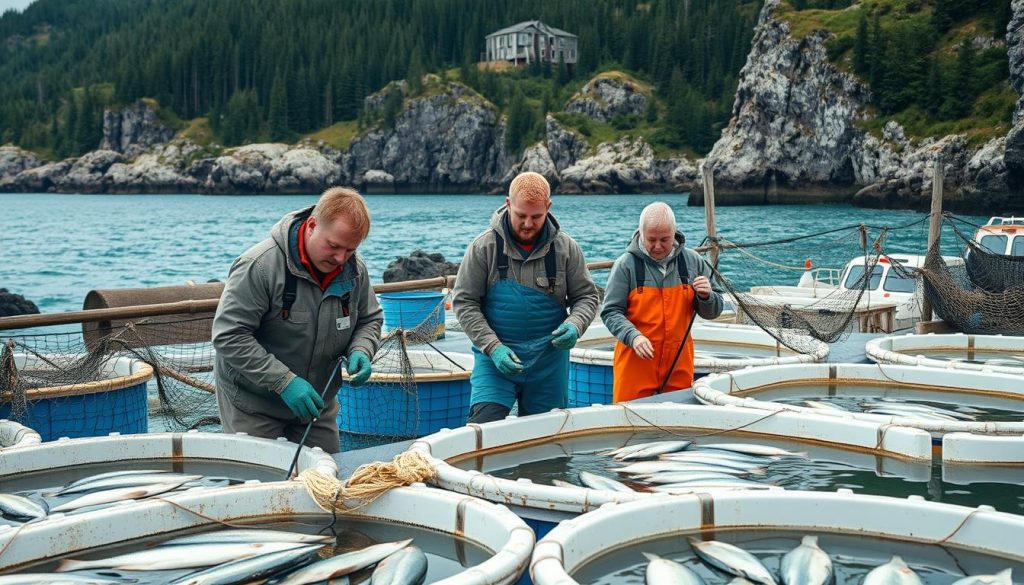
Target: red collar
(326, 279)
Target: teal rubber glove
(359, 368)
(566, 336)
(302, 399)
(506, 361)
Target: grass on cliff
(338, 136)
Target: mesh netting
(114, 379)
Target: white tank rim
(899, 349)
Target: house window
(561, 42)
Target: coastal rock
(14, 160)
(417, 266)
(564, 147)
(41, 179)
(158, 171)
(268, 168)
(605, 97)
(303, 170)
(904, 180)
(1014, 157)
(537, 159)
(133, 130)
(377, 181)
(625, 166)
(88, 173)
(12, 304)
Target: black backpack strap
(640, 271)
(550, 267)
(500, 257)
(684, 274)
(291, 284)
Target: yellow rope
(368, 483)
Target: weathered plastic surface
(14, 434)
(902, 350)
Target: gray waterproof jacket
(574, 287)
(258, 352)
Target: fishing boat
(1002, 235)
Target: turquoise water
(56, 248)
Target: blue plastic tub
(412, 310)
(92, 409)
(590, 378)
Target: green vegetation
(338, 135)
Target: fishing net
(979, 292)
(149, 374)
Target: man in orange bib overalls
(654, 290)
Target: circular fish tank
(206, 459)
(751, 534)
(405, 399)
(115, 401)
(14, 434)
(527, 463)
(936, 400)
(718, 347)
(464, 540)
(958, 351)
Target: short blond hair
(530, 187)
(343, 202)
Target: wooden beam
(708, 173)
(934, 223)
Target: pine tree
(961, 91)
(860, 46)
(277, 114)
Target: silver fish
(668, 572)
(248, 535)
(563, 484)
(656, 449)
(662, 466)
(116, 495)
(179, 557)
(109, 474)
(1003, 577)
(889, 411)
(689, 488)
(344, 564)
(923, 408)
(405, 567)
(726, 481)
(732, 560)
(754, 449)
(626, 450)
(680, 476)
(806, 564)
(57, 579)
(126, 481)
(895, 572)
(250, 569)
(824, 405)
(21, 508)
(600, 482)
(739, 581)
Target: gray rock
(88, 173)
(267, 168)
(417, 266)
(564, 146)
(603, 98)
(626, 166)
(537, 159)
(377, 181)
(14, 160)
(158, 171)
(1015, 51)
(39, 179)
(133, 130)
(12, 304)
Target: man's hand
(565, 336)
(302, 399)
(359, 368)
(702, 286)
(506, 361)
(643, 348)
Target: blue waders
(523, 318)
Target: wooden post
(708, 173)
(934, 224)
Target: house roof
(536, 24)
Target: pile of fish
(807, 564)
(892, 407)
(230, 557)
(683, 467)
(100, 490)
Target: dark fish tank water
(852, 557)
(824, 469)
(446, 554)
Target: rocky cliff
(1014, 157)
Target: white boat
(1002, 235)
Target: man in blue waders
(523, 295)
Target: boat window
(1018, 246)
(896, 282)
(856, 271)
(995, 243)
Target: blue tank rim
(412, 295)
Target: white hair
(657, 214)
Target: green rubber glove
(302, 399)
(359, 368)
(565, 336)
(506, 361)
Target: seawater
(56, 247)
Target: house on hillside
(531, 41)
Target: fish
(109, 474)
(716, 461)
(922, 408)
(665, 465)
(178, 557)
(343, 564)
(563, 484)
(895, 572)
(57, 579)
(627, 449)
(656, 449)
(668, 572)
(22, 508)
(600, 482)
(807, 564)
(732, 560)
(126, 481)
(754, 449)
(1003, 577)
(689, 488)
(408, 566)
(248, 535)
(117, 495)
(727, 481)
(739, 581)
(251, 568)
(681, 476)
(817, 404)
(888, 411)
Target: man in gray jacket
(523, 295)
(293, 306)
